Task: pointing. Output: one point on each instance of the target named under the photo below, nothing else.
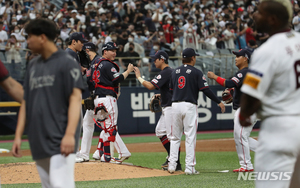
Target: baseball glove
(84, 59)
(227, 95)
(89, 103)
(155, 104)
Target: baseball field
(215, 153)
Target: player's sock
(106, 146)
(166, 143)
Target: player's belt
(102, 96)
(186, 101)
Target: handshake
(136, 70)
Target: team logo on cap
(82, 36)
(115, 45)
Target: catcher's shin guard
(107, 156)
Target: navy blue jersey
(90, 82)
(236, 82)
(186, 82)
(162, 82)
(105, 77)
(73, 54)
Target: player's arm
(68, 141)
(249, 105)
(117, 77)
(16, 148)
(145, 83)
(13, 88)
(208, 92)
(222, 81)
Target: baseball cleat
(242, 170)
(191, 173)
(124, 158)
(113, 160)
(81, 160)
(165, 164)
(96, 155)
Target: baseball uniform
(47, 87)
(186, 82)
(243, 142)
(105, 78)
(274, 79)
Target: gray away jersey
(47, 88)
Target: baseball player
(88, 121)
(75, 44)
(243, 142)
(186, 82)
(161, 82)
(51, 107)
(11, 86)
(272, 89)
(105, 78)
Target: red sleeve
(3, 72)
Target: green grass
(208, 164)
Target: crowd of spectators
(139, 27)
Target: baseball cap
(189, 52)
(90, 46)
(240, 9)
(78, 36)
(74, 11)
(110, 46)
(243, 52)
(160, 54)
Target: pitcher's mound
(88, 171)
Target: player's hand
(83, 70)
(210, 74)
(16, 148)
(137, 72)
(222, 106)
(67, 144)
(245, 121)
(130, 67)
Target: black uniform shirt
(186, 82)
(73, 54)
(47, 88)
(162, 82)
(237, 82)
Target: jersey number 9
(181, 82)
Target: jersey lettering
(181, 82)
(297, 71)
(96, 76)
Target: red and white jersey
(274, 75)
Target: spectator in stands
(13, 56)
(296, 22)
(229, 37)
(137, 48)
(251, 46)
(3, 40)
(250, 34)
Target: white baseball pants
(243, 142)
(278, 152)
(163, 126)
(185, 119)
(57, 171)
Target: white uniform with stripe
(274, 79)
(87, 135)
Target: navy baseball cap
(160, 54)
(189, 52)
(90, 46)
(110, 46)
(243, 52)
(78, 36)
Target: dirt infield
(89, 171)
